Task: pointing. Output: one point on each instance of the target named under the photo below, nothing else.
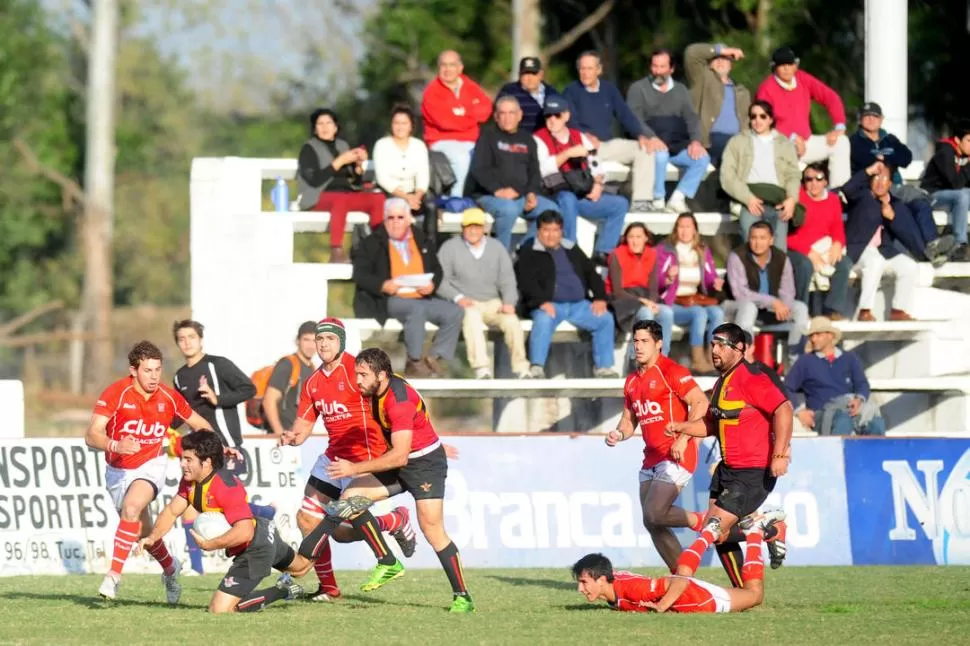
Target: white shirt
(763, 161)
(547, 160)
(406, 169)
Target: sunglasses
(813, 178)
(758, 115)
(554, 116)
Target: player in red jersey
(661, 391)
(253, 543)
(131, 419)
(331, 393)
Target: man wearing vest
(564, 154)
(389, 266)
(761, 283)
(282, 396)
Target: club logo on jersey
(334, 410)
(138, 427)
(129, 406)
(425, 487)
(340, 386)
(648, 411)
(229, 582)
(161, 408)
(652, 384)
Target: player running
(660, 392)
(130, 420)
(253, 543)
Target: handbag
(579, 182)
(702, 300)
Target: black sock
(367, 524)
(259, 599)
(451, 562)
(313, 543)
(732, 558)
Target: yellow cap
(473, 216)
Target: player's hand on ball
(340, 468)
(613, 437)
(204, 545)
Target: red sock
(698, 525)
(125, 537)
(754, 565)
(160, 553)
(323, 566)
(691, 557)
(391, 522)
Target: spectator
(947, 180)
(402, 169)
(575, 179)
(453, 106)
(874, 219)
(688, 282)
(328, 176)
(834, 385)
(817, 248)
(596, 102)
(285, 382)
(762, 287)
(673, 129)
(397, 275)
(531, 91)
(791, 91)
(477, 274)
(504, 176)
(721, 104)
(760, 171)
(557, 283)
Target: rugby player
(130, 420)
(253, 543)
(660, 392)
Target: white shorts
(319, 471)
(722, 600)
(118, 480)
(666, 471)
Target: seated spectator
(531, 91)
(381, 263)
(874, 219)
(595, 103)
(402, 170)
(504, 177)
(762, 287)
(477, 274)
(689, 283)
(721, 104)
(328, 176)
(452, 107)
(574, 179)
(557, 283)
(947, 180)
(791, 91)
(674, 131)
(834, 385)
(817, 248)
(760, 171)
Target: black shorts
(267, 550)
(423, 477)
(740, 491)
(327, 489)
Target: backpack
(254, 406)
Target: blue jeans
(693, 175)
(611, 209)
(746, 219)
(580, 314)
(957, 202)
(665, 317)
(700, 321)
(459, 154)
(506, 212)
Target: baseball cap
(555, 105)
(530, 65)
(870, 107)
(784, 56)
(472, 216)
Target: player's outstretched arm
(197, 423)
(695, 428)
(166, 519)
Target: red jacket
(822, 218)
(447, 116)
(636, 271)
(792, 108)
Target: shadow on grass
(95, 603)
(584, 606)
(539, 583)
(366, 600)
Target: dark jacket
(775, 268)
(821, 381)
(372, 266)
(594, 111)
(893, 151)
(865, 216)
(532, 118)
(231, 387)
(946, 169)
(504, 160)
(535, 273)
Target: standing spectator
(760, 171)
(947, 180)
(596, 102)
(531, 91)
(575, 180)
(504, 177)
(289, 374)
(875, 218)
(762, 287)
(557, 283)
(453, 106)
(402, 169)
(837, 396)
(791, 91)
(817, 248)
(389, 264)
(688, 282)
(721, 103)
(477, 274)
(328, 176)
(673, 130)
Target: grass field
(804, 606)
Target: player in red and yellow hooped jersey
(130, 421)
(660, 392)
(253, 543)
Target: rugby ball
(211, 524)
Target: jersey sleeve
(182, 408)
(305, 409)
(761, 392)
(629, 388)
(232, 498)
(682, 381)
(183, 489)
(107, 402)
(400, 415)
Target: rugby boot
(382, 575)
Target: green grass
(803, 606)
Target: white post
(526, 28)
(887, 79)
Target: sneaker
(525, 374)
(641, 206)
(405, 537)
(284, 581)
(109, 587)
(382, 575)
(192, 573)
(759, 521)
(462, 605)
(961, 253)
(327, 595)
(822, 282)
(658, 205)
(942, 246)
(537, 372)
(294, 591)
(173, 589)
(347, 508)
(714, 525)
(483, 373)
(777, 547)
(827, 270)
(605, 373)
(676, 204)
